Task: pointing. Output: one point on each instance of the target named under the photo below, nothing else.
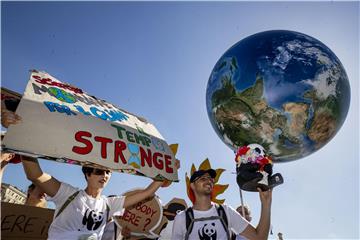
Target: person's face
(204, 184)
(99, 178)
(246, 211)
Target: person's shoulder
(228, 208)
(68, 186)
(65, 191)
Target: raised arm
(262, 229)
(143, 194)
(147, 192)
(33, 172)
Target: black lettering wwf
(92, 219)
(207, 232)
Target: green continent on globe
(284, 90)
(245, 117)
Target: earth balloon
(282, 89)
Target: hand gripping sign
(147, 220)
(254, 169)
(143, 218)
(62, 122)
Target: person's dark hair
(87, 171)
(30, 188)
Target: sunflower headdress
(218, 188)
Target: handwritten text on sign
(24, 222)
(142, 218)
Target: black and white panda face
(97, 217)
(257, 149)
(209, 229)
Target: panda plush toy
(254, 169)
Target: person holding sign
(206, 220)
(82, 214)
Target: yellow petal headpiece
(217, 190)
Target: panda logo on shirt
(92, 219)
(207, 232)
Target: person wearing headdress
(210, 221)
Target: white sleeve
(116, 205)
(179, 228)
(64, 192)
(236, 222)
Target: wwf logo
(207, 232)
(92, 219)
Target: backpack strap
(223, 219)
(107, 212)
(115, 230)
(68, 201)
(189, 219)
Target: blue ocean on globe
(282, 89)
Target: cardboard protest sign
(143, 218)
(60, 121)
(24, 222)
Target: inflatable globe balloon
(284, 90)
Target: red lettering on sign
(131, 218)
(79, 136)
(103, 141)
(119, 147)
(50, 82)
(157, 162)
(145, 157)
(168, 169)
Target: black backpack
(190, 220)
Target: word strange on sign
(61, 121)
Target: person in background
(35, 197)
(6, 158)
(247, 212)
(246, 215)
(8, 117)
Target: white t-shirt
(85, 216)
(209, 229)
(239, 237)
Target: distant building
(12, 194)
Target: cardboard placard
(24, 222)
(60, 121)
(142, 218)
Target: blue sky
(154, 59)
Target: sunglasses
(101, 171)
